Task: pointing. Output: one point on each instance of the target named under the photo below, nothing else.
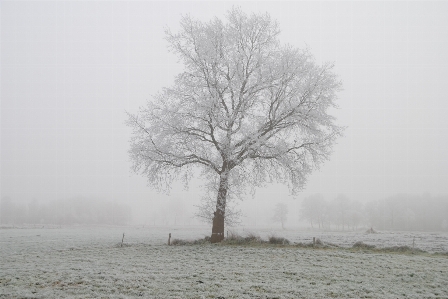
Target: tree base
(217, 237)
(217, 228)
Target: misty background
(70, 70)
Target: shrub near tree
(245, 111)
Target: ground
(86, 263)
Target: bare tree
(313, 209)
(245, 111)
(340, 207)
(280, 214)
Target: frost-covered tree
(313, 209)
(280, 214)
(346, 212)
(245, 111)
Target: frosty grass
(90, 263)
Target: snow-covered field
(87, 263)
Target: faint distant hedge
(64, 212)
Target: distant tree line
(63, 212)
(280, 214)
(397, 212)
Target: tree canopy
(246, 110)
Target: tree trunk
(219, 214)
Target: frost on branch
(245, 111)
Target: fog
(71, 70)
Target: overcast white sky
(70, 70)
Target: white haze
(70, 70)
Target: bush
(236, 239)
(232, 236)
(371, 231)
(253, 238)
(205, 240)
(278, 240)
(402, 249)
(303, 245)
(179, 242)
(361, 245)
